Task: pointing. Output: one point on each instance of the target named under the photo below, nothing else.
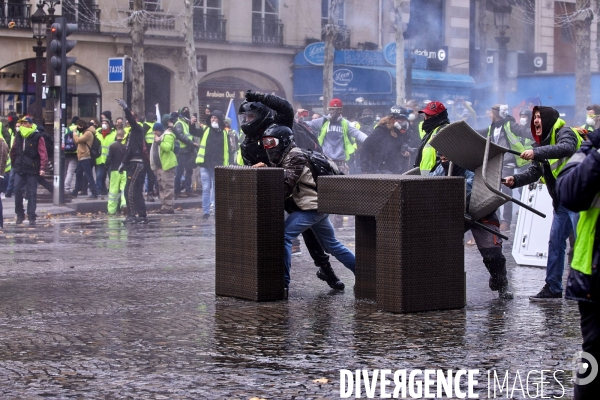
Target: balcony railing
(209, 27)
(267, 31)
(342, 39)
(18, 13)
(87, 18)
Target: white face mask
(215, 125)
(104, 126)
(17, 128)
(590, 121)
(411, 117)
(523, 121)
(401, 126)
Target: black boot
(325, 273)
(498, 280)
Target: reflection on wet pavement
(92, 308)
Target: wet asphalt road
(90, 308)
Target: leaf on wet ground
(321, 381)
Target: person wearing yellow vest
(555, 144)
(592, 118)
(152, 187)
(436, 117)
(106, 134)
(334, 134)
(185, 127)
(213, 151)
(117, 180)
(3, 176)
(163, 162)
(13, 129)
(505, 132)
(578, 189)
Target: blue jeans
(207, 176)
(101, 171)
(299, 221)
(564, 222)
(84, 169)
(10, 186)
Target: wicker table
(409, 230)
(249, 233)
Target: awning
(376, 85)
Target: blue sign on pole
(116, 70)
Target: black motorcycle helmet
(277, 140)
(256, 117)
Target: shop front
(17, 90)
(365, 79)
(216, 90)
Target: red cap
(335, 103)
(433, 108)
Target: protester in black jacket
(578, 189)
(386, 149)
(133, 163)
(555, 143)
(259, 110)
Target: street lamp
(38, 25)
(502, 10)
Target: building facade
(252, 44)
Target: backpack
(320, 165)
(96, 149)
(69, 143)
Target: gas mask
(590, 121)
(523, 121)
(402, 126)
(215, 125)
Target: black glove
(122, 103)
(594, 137)
(253, 96)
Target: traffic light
(60, 46)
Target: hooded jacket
(565, 146)
(28, 153)
(84, 141)
(215, 142)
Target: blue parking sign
(116, 70)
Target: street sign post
(116, 70)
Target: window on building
(426, 25)
(265, 9)
(208, 21)
(564, 38)
(326, 6)
(149, 5)
(266, 27)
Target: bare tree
(331, 32)
(138, 28)
(190, 54)
(399, 7)
(583, 77)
